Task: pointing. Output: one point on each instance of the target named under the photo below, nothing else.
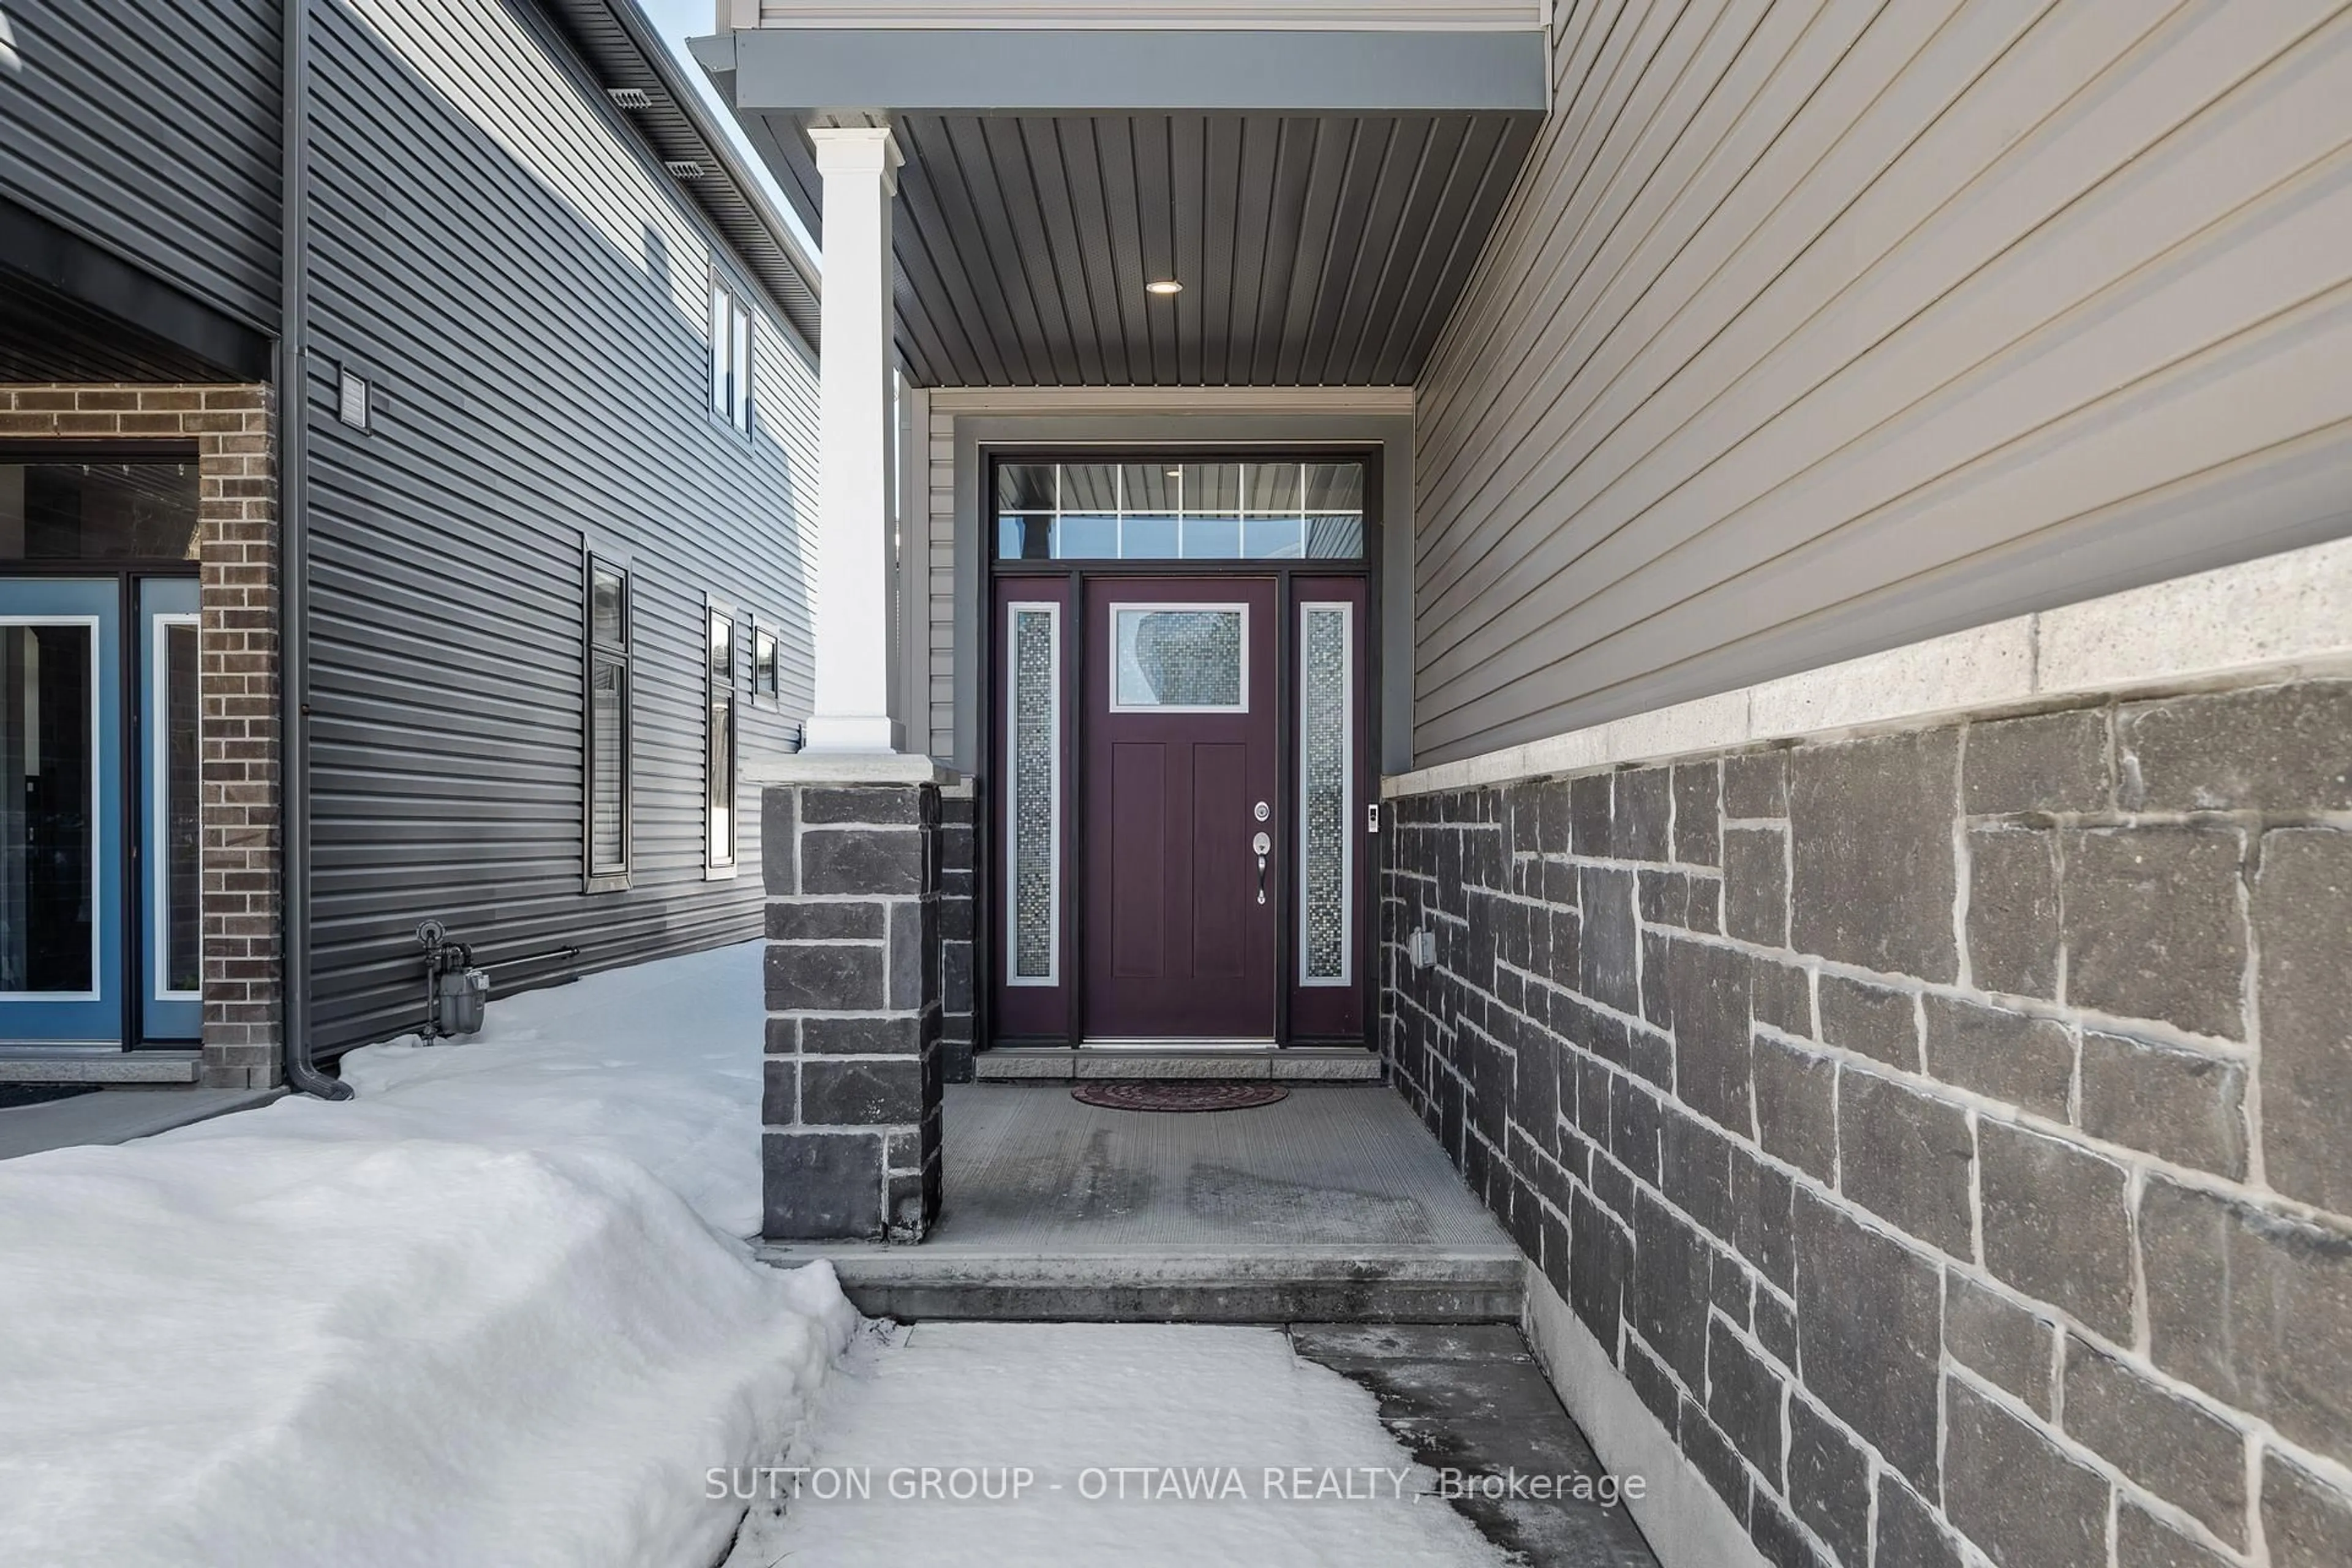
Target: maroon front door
(1183, 827)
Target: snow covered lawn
(493, 1311)
(1144, 1444)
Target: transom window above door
(1175, 510)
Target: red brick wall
(238, 683)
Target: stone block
(1756, 784)
(1588, 814)
(1553, 817)
(824, 977)
(779, 839)
(1781, 994)
(1870, 846)
(1743, 1398)
(1695, 1169)
(1869, 1328)
(1708, 987)
(2176, 1450)
(1634, 1129)
(1655, 1386)
(1698, 805)
(2253, 1307)
(2303, 907)
(1908, 1532)
(823, 1186)
(2144, 1541)
(1829, 1483)
(2028, 1062)
(861, 1037)
(779, 1092)
(1776, 1326)
(2056, 1227)
(2183, 1106)
(914, 948)
(2012, 923)
(1762, 1204)
(1755, 885)
(2152, 925)
(808, 920)
(1733, 1290)
(2015, 1493)
(2000, 1341)
(1908, 1158)
(859, 1092)
(2049, 763)
(1776, 1535)
(2306, 1523)
(1713, 1457)
(2279, 748)
(1608, 939)
(1665, 1301)
(1641, 823)
(872, 862)
(874, 804)
(1603, 1255)
(1882, 1024)
(1795, 1106)
(784, 1036)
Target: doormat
(1126, 1094)
(16, 1094)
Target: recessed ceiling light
(1163, 286)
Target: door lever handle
(1260, 845)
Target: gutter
(294, 555)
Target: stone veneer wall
(230, 427)
(850, 1106)
(1948, 1135)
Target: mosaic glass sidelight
(1184, 658)
(1034, 774)
(1326, 795)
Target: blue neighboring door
(62, 838)
(170, 882)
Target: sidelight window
(718, 771)
(605, 757)
(1326, 801)
(1034, 795)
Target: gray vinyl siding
(526, 292)
(1815, 329)
(151, 127)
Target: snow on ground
(1092, 1409)
(492, 1312)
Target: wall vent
(629, 97)
(683, 168)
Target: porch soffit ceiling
(1321, 184)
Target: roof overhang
(1320, 192)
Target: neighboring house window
(765, 679)
(719, 819)
(605, 757)
(731, 357)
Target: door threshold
(1284, 1064)
(1175, 1043)
(62, 1065)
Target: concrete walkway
(117, 1115)
(1335, 1203)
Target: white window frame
(1053, 975)
(1347, 975)
(159, 744)
(1226, 607)
(719, 861)
(733, 348)
(596, 879)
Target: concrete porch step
(1147, 1284)
(112, 1067)
(1285, 1064)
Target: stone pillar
(850, 602)
(851, 849)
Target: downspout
(294, 552)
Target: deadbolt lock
(1263, 811)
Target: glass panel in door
(171, 890)
(60, 813)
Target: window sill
(610, 882)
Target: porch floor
(1335, 1205)
(117, 1115)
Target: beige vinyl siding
(1815, 329)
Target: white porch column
(850, 598)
